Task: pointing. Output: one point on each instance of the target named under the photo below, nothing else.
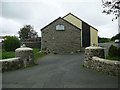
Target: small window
(60, 27)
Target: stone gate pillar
(92, 51)
(25, 54)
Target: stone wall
(11, 64)
(92, 51)
(26, 54)
(94, 60)
(23, 58)
(61, 41)
(32, 44)
(105, 66)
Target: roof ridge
(79, 19)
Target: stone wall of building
(94, 60)
(61, 41)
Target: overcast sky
(39, 13)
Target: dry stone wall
(105, 66)
(11, 64)
(90, 52)
(23, 58)
(26, 54)
(94, 59)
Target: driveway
(58, 71)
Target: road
(58, 71)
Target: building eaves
(78, 19)
(62, 19)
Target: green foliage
(116, 58)
(103, 40)
(115, 37)
(37, 54)
(11, 54)
(6, 55)
(111, 7)
(118, 51)
(114, 53)
(10, 43)
(27, 32)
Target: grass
(37, 54)
(115, 58)
(11, 54)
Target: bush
(119, 52)
(10, 43)
(103, 40)
(115, 37)
(6, 55)
(37, 53)
(113, 51)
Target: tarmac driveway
(58, 71)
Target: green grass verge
(37, 54)
(11, 54)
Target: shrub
(119, 52)
(113, 51)
(11, 43)
(9, 54)
(103, 40)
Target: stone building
(67, 35)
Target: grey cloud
(16, 10)
(43, 12)
(9, 26)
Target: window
(60, 27)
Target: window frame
(60, 27)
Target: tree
(116, 37)
(111, 7)
(103, 40)
(27, 32)
(10, 43)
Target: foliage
(10, 43)
(116, 58)
(27, 32)
(111, 7)
(114, 53)
(103, 40)
(10, 54)
(37, 54)
(115, 37)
